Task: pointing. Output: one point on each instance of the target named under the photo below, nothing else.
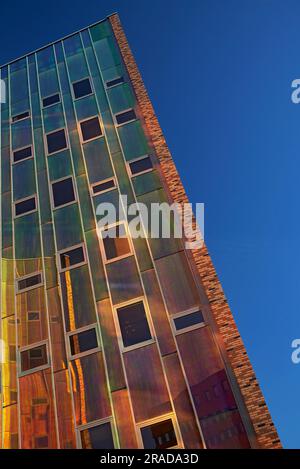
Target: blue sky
(219, 75)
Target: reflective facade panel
(109, 341)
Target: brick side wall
(264, 428)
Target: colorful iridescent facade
(106, 344)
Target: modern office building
(108, 342)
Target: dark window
(63, 192)
(56, 141)
(82, 88)
(90, 129)
(29, 282)
(115, 242)
(34, 357)
(22, 154)
(126, 116)
(51, 100)
(159, 435)
(114, 82)
(33, 316)
(103, 186)
(72, 257)
(83, 341)
(141, 165)
(20, 117)
(25, 206)
(133, 324)
(99, 437)
(41, 442)
(188, 320)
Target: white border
(102, 247)
(67, 203)
(34, 196)
(103, 182)
(97, 423)
(117, 84)
(123, 112)
(38, 368)
(46, 141)
(188, 328)
(62, 251)
(160, 419)
(50, 96)
(79, 122)
(20, 149)
(128, 163)
(86, 352)
(23, 277)
(78, 81)
(115, 308)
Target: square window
(41, 442)
(63, 192)
(25, 206)
(83, 341)
(82, 88)
(116, 81)
(115, 242)
(29, 282)
(19, 117)
(188, 320)
(159, 435)
(72, 257)
(34, 357)
(126, 116)
(33, 315)
(56, 141)
(51, 100)
(90, 129)
(22, 154)
(103, 186)
(133, 324)
(98, 437)
(140, 166)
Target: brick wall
(264, 428)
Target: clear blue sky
(219, 75)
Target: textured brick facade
(236, 354)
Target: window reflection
(133, 324)
(214, 401)
(159, 435)
(98, 437)
(83, 341)
(82, 88)
(34, 357)
(115, 242)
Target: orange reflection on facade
(77, 362)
